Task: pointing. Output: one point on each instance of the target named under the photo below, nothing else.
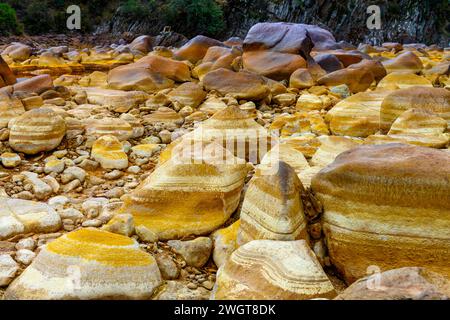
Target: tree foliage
(195, 17)
(8, 21)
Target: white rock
(40, 189)
(134, 169)
(27, 243)
(22, 216)
(71, 213)
(72, 173)
(25, 256)
(58, 201)
(8, 269)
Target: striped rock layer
(418, 121)
(276, 270)
(287, 154)
(331, 147)
(36, 130)
(192, 193)
(386, 205)
(436, 100)
(117, 127)
(121, 101)
(88, 264)
(357, 115)
(403, 80)
(10, 108)
(272, 208)
(236, 131)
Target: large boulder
(388, 206)
(88, 264)
(196, 48)
(143, 44)
(7, 77)
(276, 50)
(274, 65)
(357, 115)
(36, 130)
(37, 84)
(288, 38)
(241, 85)
(192, 193)
(272, 208)
(236, 130)
(269, 269)
(404, 62)
(17, 51)
(436, 100)
(356, 79)
(150, 73)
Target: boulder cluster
(286, 165)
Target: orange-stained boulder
(37, 84)
(405, 62)
(274, 65)
(436, 100)
(301, 79)
(375, 67)
(196, 48)
(6, 75)
(328, 62)
(142, 44)
(241, 85)
(356, 79)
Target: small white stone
(134, 169)
(27, 243)
(25, 256)
(72, 173)
(56, 166)
(58, 201)
(71, 213)
(10, 160)
(92, 223)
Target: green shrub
(193, 17)
(38, 18)
(136, 9)
(8, 21)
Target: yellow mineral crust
(104, 247)
(385, 205)
(88, 264)
(193, 192)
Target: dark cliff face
(408, 21)
(405, 21)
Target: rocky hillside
(404, 20)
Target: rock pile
(282, 166)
